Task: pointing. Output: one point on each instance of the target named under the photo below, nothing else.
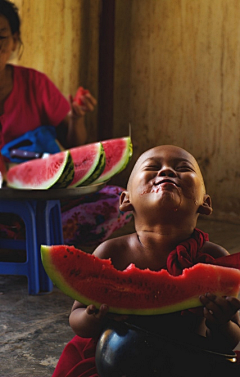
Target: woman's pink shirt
(34, 101)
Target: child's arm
(87, 322)
(222, 319)
(221, 313)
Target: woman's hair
(10, 11)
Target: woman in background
(29, 100)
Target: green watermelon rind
(129, 155)
(58, 179)
(67, 174)
(96, 168)
(122, 163)
(62, 284)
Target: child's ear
(206, 207)
(124, 202)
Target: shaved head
(174, 151)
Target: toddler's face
(166, 177)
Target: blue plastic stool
(43, 224)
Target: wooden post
(106, 70)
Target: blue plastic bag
(40, 140)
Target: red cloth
(77, 359)
(34, 101)
(186, 253)
(189, 253)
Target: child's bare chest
(143, 259)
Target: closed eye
(184, 168)
(151, 168)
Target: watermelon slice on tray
(118, 154)
(54, 171)
(91, 280)
(89, 162)
(93, 163)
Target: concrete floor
(34, 329)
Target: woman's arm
(71, 132)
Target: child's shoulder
(213, 249)
(117, 249)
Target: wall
(177, 82)
(176, 76)
(60, 38)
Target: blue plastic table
(41, 213)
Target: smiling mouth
(166, 181)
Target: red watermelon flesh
(89, 162)
(91, 280)
(79, 96)
(118, 154)
(42, 173)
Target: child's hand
(218, 311)
(102, 313)
(98, 314)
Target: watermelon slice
(118, 154)
(91, 280)
(89, 162)
(79, 96)
(56, 171)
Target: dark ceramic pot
(125, 350)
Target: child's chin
(170, 200)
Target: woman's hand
(78, 110)
(72, 132)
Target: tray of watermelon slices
(52, 194)
(69, 173)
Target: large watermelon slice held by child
(91, 280)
